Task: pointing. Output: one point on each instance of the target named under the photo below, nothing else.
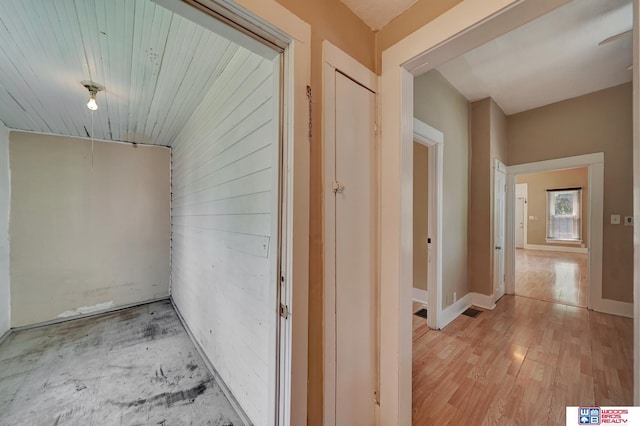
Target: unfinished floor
(131, 367)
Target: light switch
(628, 221)
(531, 217)
(615, 219)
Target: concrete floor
(132, 367)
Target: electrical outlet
(628, 221)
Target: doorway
(457, 30)
(551, 255)
(428, 141)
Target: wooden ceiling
(156, 68)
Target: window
(564, 207)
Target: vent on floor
(471, 312)
(422, 313)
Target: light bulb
(92, 105)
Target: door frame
(275, 25)
(500, 167)
(433, 139)
(335, 60)
(525, 212)
(595, 165)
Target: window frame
(577, 217)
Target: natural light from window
(564, 207)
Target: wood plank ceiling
(156, 68)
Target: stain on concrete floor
(132, 367)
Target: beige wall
(420, 215)
(418, 15)
(597, 122)
(488, 143)
(329, 20)
(537, 185)
(86, 238)
(438, 104)
(480, 235)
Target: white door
(355, 248)
(519, 222)
(500, 195)
(521, 214)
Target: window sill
(554, 241)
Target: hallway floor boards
(520, 364)
(131, 367)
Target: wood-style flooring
(520, 364)
(553, 276)
(132, 367)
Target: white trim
(421, 296)
(483, 301)
(426, 134)
(334, 60)
(564, 249)
(595, 164)
(433, 139)
(453, 311)
(557, 164)
(614, 307)
(341, 61)
(467, 25)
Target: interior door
(500, 195)
(355, 248)
(519, 222)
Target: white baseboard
(452, 312)
(613, 307)
(421, 296)
(564, 249)
(483, 301)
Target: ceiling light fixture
(93, 89)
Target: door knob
(337, 186)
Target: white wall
(223, 181)
(86, 237)
(5, 193)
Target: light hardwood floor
(520, 364)
(552, 276)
